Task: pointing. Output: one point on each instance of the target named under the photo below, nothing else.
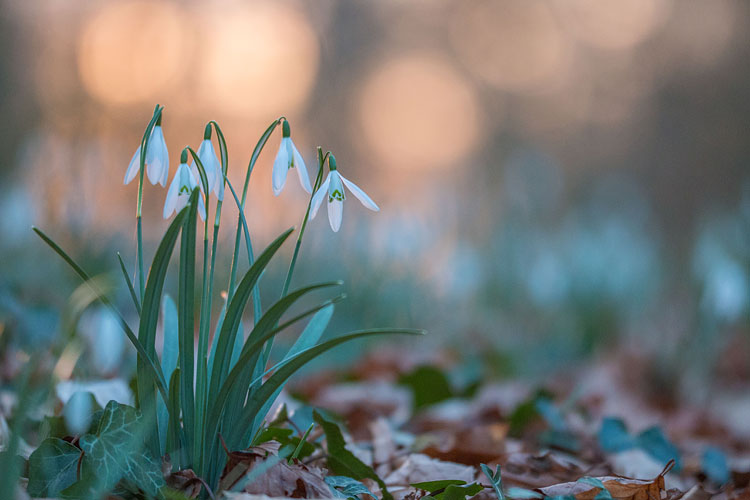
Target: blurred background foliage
(555, 177)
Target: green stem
(257, 310)
(298, 244)
(203, 327)
(318, 180)
(139, 206)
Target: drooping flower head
(287, 158)
(157, 158)
(211, 165)
(179, 191)
(333, 189)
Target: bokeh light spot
(612, 24)
(130, 51)
(515, 45)
(418, 112)
(260, 58)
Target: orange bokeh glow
(260, 58)
(612, 24)
(417, 112)
(130, 51)
(515, 46)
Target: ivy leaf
(52, 467)
(342, 461)
(116, 451)
(346, 487)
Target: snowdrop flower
(334, 187)
(211, 165)
(288, 157)
(179, 191)
(157, 158)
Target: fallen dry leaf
(281, 479)
(620, 488)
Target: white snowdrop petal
(201, 208)
(171, 202)
(335, 213)
(320, 195)
(360, 195)
(133, 166)
(280, 168)
(299, 164)
(220, 186)
(207, 154)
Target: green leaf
(428, 385)
(714, 464)
(170, 351)
(52, 467)
(455, 492)
(174, 436)
(656, 444)
(308, 338)
(347, 487)
(604, 494)
(128, 282)
(150, 318)
(116, 451)
(169, 356)
(233, 316)
(186, 323)
(522, 493)
(433, 486)
(312, 332)
(299, 449)
(233, 394)
(152, 367)
(286, 368)
(496, 480)
(342, 461)
(613, 436)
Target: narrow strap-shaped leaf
(312, 332)
(128, 282)
(240, 372)
(169, 356)
(152, 366)
(174, 442)
(258, 336)
(234, 313)
(186, 314)
(150, 316)
(308, 338)
(295, 363)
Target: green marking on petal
(336, 195)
